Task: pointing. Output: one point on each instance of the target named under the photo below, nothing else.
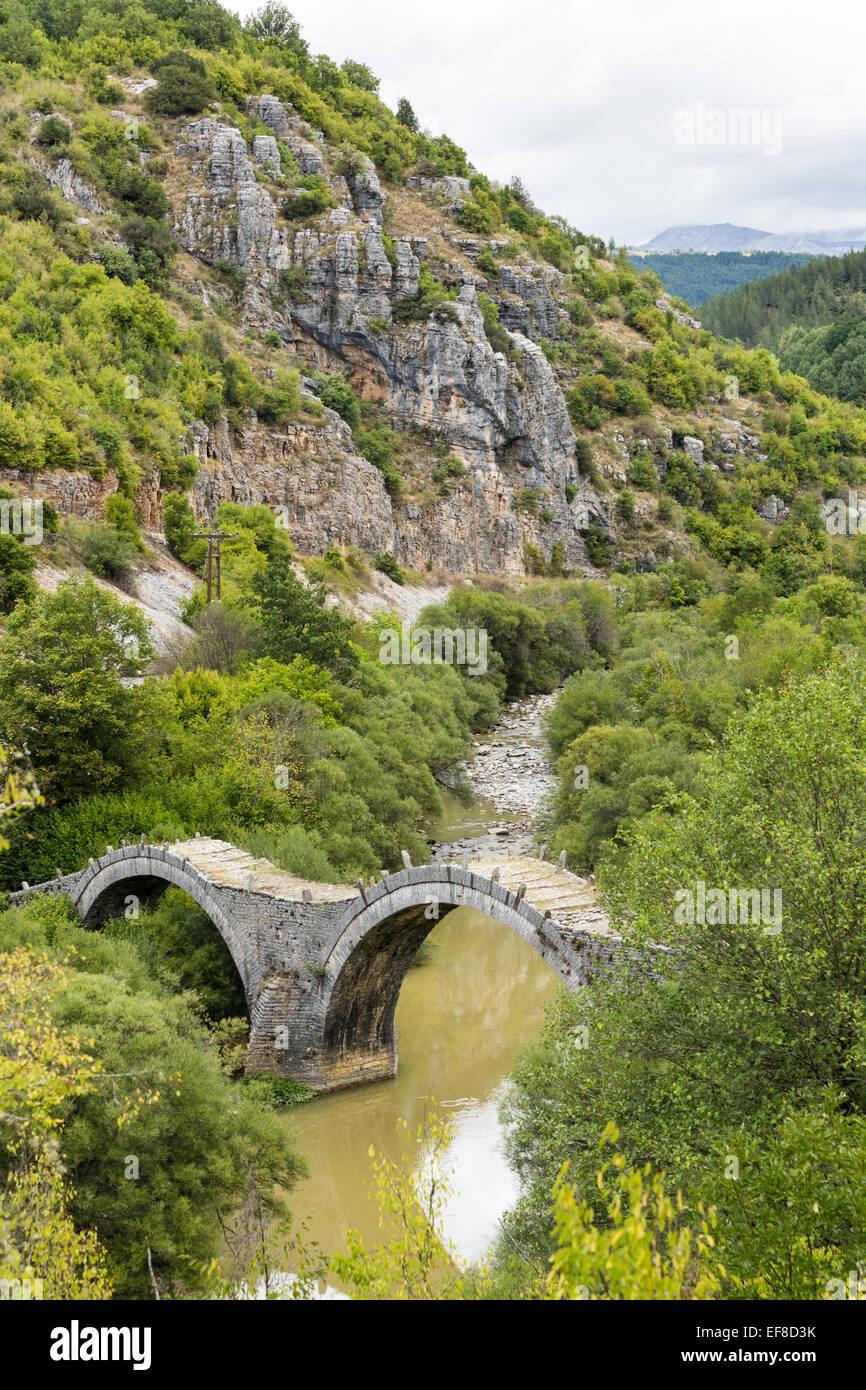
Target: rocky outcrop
(229, 216)
(367, 196)
(502, 413)
(75, 494)
(73, 188)
(686, 319)
(266, 154)
(309, 473)
(271, 112)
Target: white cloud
(579, 99)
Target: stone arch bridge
(322, 964)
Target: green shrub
(642, 472)
(336, 393)
(387, 564)
(119, 512)
(308, 202)
(599, 546)
(293, 281)
(281, 400)
(148, 237)
(450, 467)
(53, 131)
(184, 88)
(118, 262)
(376, 445)
(496, 332)
(417, 308)
(526, 499)
(180, 523)
(106, 551)
(34, 199)
(625, 507)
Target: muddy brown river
(463, 1017)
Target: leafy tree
(630, 1244)
(53, 131)
(753, 1017)
(62, 661)
(274, 23)
(180, 523)
(387, 564)
(182, 91)
(224, 637)
(20, 42)
(769, 1242)
(119, 512)
(360, 75)
(418, 1263)
(200, 1151)
(106, 551)
(625, 507)
(308, 202)
(147, 237)
(281, 400)
(336, 393)
(635, 1246)
(206, 24)
(40, 1069)
(377, 446)
(294, 621)
(17, 562)
(39, 1241)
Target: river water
(461, 1021)
(462, 1018)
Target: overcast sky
(621, 115)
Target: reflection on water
(461, 1020)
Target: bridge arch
(379, 937)
(146, 871)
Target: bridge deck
(571, 899)
(229, 867)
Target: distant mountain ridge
(726, 236)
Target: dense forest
(708, 659)
(696, 276)
(812, 318)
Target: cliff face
(461, 346)
(503, 415)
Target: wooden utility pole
(213, 539)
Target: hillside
(811, 318)
(697, 276)
(528, 584)
(230, 273)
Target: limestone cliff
(504, 416)
(344, 290)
